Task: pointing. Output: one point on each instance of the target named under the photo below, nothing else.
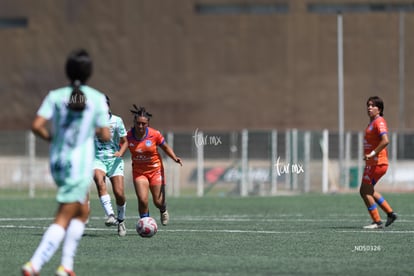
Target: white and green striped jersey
(106, 150)
(72, 150)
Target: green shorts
(111, 167)
(71, 190)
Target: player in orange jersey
(376, 163)
(147, 165)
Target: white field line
(169, 230)
(289, 232)
(212, 219)
(377, 231)
(294, 218)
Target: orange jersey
(144, 152)
(373, 133)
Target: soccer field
(283, 235)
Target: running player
(109, 163)
(77, 113)
(147, 165)
(376, 163)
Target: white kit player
(109, 163)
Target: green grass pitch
(283, 235)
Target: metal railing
(241, 163)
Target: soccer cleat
(391, 218)
(374, 225)
(28, 270)
(121, 229)
(61, 271)
(111, 221)
(165, 217)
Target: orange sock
(373, 212)
(384, 205)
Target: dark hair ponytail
(77, 101)
(78, 70)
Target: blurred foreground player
(77, 113)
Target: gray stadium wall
(252, 67)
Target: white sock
(106, 204)
(70, 244)
(121, 211)
(48, 245)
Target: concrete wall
(221, 72)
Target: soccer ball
(147, 227)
